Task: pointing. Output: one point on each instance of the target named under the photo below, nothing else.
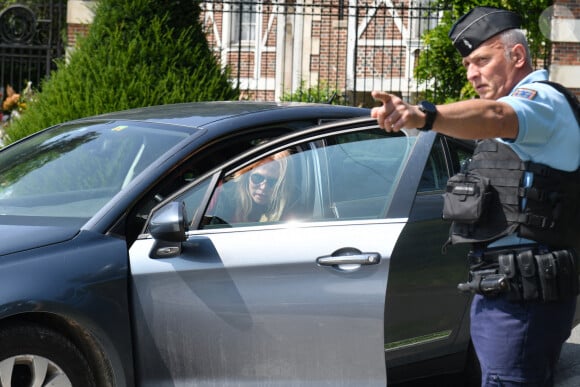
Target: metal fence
(31, 37)
(276, 49)
(305, 50)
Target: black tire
(30, 349)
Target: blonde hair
(280, 190)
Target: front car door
(297, 298)
(427, 318)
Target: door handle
(357, 259)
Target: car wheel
(32, 355)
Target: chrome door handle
(358, 259)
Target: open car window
(343, 176)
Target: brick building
(348, 46)
(565, 33)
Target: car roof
(204, 114)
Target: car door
(293, 300)
(427, 317)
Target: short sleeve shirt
(548, 131)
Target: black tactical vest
(493, 182)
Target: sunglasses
(257, 179)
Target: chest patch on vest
(525, 93)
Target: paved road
(569, 366)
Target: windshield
(72, 171)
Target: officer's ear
(518, 55)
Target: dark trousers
(518, 344)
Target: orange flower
(11, 100)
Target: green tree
(440, 66)
(137, 53)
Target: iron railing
(305, 49)
(31, 38)
(275, 49)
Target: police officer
(524, 181)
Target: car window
(194, 198)
(72, 171)
(264, 191)
(208, 157)
(435, 174)
(363, 169)
(343, 176)
(460, 153)
(212, 155)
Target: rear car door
(297, 299)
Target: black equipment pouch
(507, 267)
(465, 198)
(524, 274)
(567, 273)
(527, 267)
(547, 272)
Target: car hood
(15, 238)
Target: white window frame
(244, 23)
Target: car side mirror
(168, 226)
(169, 223)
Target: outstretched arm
(471, 119)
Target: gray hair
(511, 37)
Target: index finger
(381, 96)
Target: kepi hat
(480, 24)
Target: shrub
(320, 93)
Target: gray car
(127, 256)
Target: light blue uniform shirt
(548, 131)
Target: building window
(244, 16)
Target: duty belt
(523, 273)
